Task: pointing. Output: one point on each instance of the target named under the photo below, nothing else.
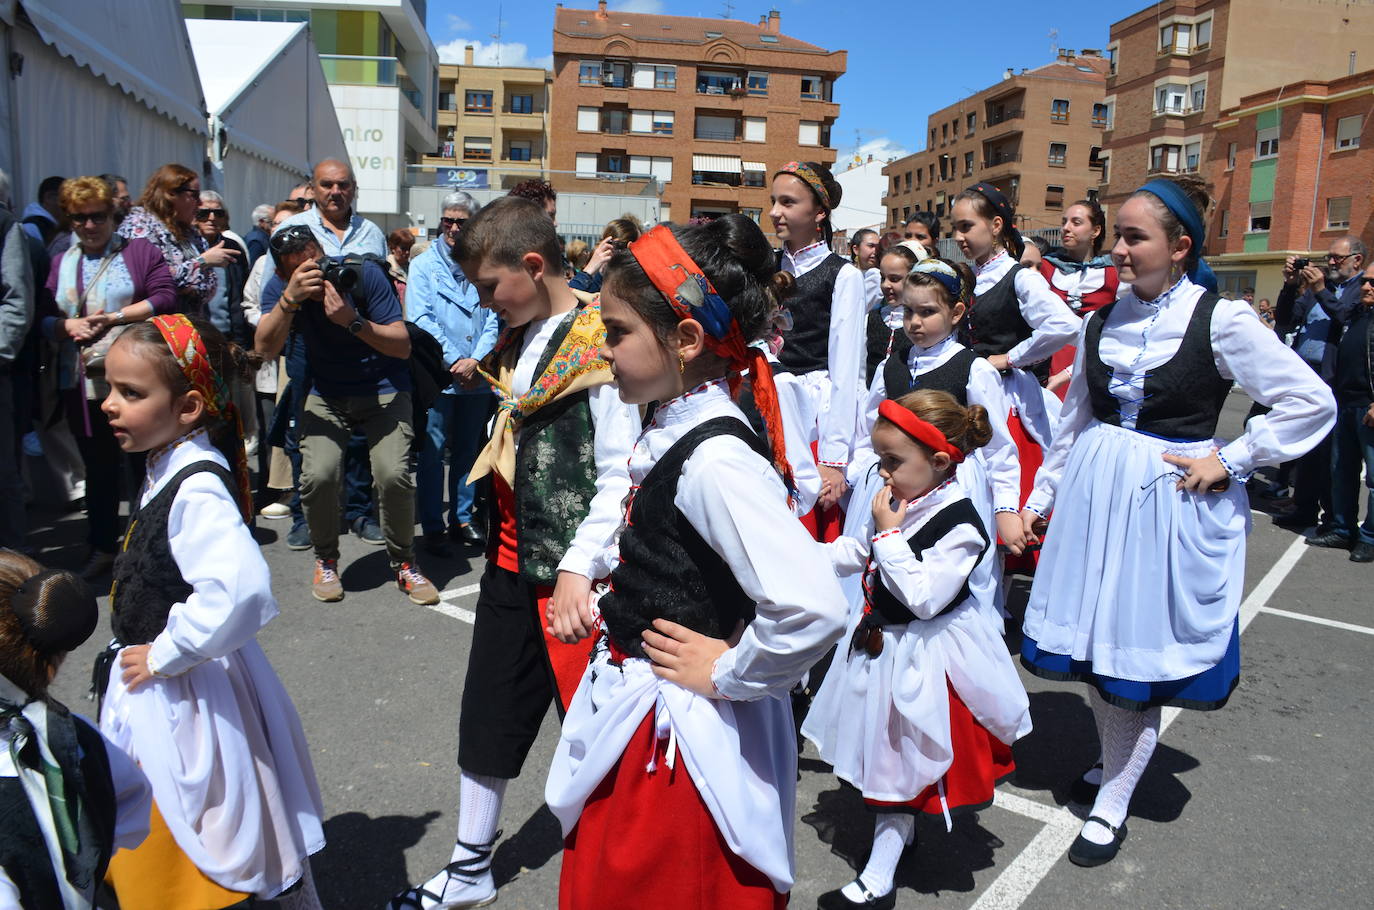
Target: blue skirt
(1205, 691)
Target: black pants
(104, 462)
(1312, 484)
(510, 681)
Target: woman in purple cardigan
(99, 286)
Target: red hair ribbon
(188, 349)
(692, 296)
(920, 430)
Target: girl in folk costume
(1080, 273)
(1138, 589)
(885, 323)
(825, 347)
(921, 712)
(934, 298)
(1016, 321)
(679, 743)
(191, 696)
(68, 797)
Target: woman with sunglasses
(165, 216)
(102, 284)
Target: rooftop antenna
(496, 36)
(1054, 42)
(727, 9)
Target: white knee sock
(479, 811)
(1097, 702)
(302, 898)
(1128, 741)
(892, 831)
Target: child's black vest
(147, 581)
(994, 324)
(1183, 397)
(883, 342)
(666, 570)
(806, 348)
(888, 609)
(950, 376)
(86, 781)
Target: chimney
(467, 55)
(601, 10)
(774, 22)
(763, 21)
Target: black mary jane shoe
(1082, 792)
(835, 900)
(1084, 852)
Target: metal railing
(719, 135)
(469, 175)
(997, 160)
(1002, 117)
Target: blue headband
(1177, 201)
(942, 273)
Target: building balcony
(717, 135)
(999, 160)
(340, 69)
(1003, 123)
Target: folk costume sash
(575, 366)
(189, 351)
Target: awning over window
(719, 164)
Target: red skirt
(1031, 456)
(648, 839)
(568, 662)
(980, 761)
(824, 525)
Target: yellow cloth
(576, 365)
(156, 875)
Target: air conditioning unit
(608, 78)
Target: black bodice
(950, 376)
(806, 348)
(888, 610)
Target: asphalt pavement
(1260, 805)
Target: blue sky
(904, 62)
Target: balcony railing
(733, 89)
(718, 135)
(997, 160)
(348, 70)
(715, 178)
(997, 117)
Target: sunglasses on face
(303, 200)
(446, 223)
(1367, 281)
(185, 191)
(206, 214)
(94, 218)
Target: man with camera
(355, 347)
(1316, 302)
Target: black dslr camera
(345, 274)
(1300, 263)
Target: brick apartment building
(1291, 174)
(1035, 135)
(709, 107)
(493, 119)
(1176, 65)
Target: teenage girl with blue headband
(1138, 589)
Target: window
(809, 133)
(1059, 110)
(1100, 118)
(660, 168)
(520, 150)
(588, 119)
(586, 164)
(665, 212)
(944, 133)
(665, 77)
(615, 164)
(1230, 156)
(1224, 224)
(755, 129)
(716, 83)
(1348, 132)
(589, 72)
(758, 84)
(615, 121)
(1338, 212)
(476, 148)
(1192, 157)
(1170, 98)
(906, 212)
(271, 15)
(1198, 95)
(1267, 142)
(755, 173)
(522, 104)
(811, 88)
(932, 138)
(724, 129)
(1059, 151)
(970, 122)
(1164, 159)
(1260, 213)
(968, 164)
(1175, 38)
(641, 121)
(448, 101)
(918, 178)
(752, 214)
(662, 123)
(1054, 197)
(930, 173)
(478, 102)
(1204, 35)
(908, 181)
(1111, 60)
(615, 74)
(1105, 162)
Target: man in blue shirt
(356, 346)
(338, 228)
(442, 301)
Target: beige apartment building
(1176, 66)
(1036, 135)
(707, 109)
(493, 123)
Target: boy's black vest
(950, 376)
(666, 570)
(1183, 397)
(806, 348)
(147, 581)
(86, 781)
(555, 474)
(888, 609)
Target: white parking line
(451, 610)
(1319, 620)
(455, 593)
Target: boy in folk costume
(557, 461)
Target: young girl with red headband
(187, 691)
(675, 777)
(1016, 321)
(921, 709)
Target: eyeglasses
(303, 200)
(185, 190)
(95, 218)
(206, 214)
(447, 223)
(290, 239)
(1367, 281)
(1332, 257)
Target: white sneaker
(275, 510)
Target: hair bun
(783, 284)
(56, 610)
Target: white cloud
(492, 53)
(458, 23)
(638, 6)
(882, 148)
